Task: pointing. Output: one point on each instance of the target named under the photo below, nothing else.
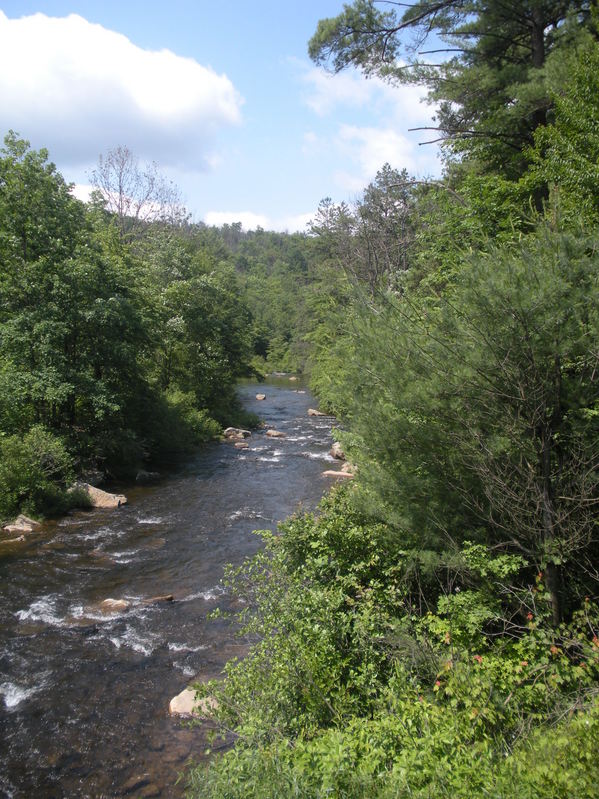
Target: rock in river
(236, 433)
(260, 396)
(275, 434)
(185, 705)
(22, 524)
(99, 498)
(334, 473)
(113, 605)
(314, 412)
(337, 452)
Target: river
(83, 695)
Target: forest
(432, 630)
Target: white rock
(260, 396)
(22, 524)
(185, 704)
(99, 498)
(314, 412)
(336, 451)
(114, 605)
(333, 473)
(275, 434)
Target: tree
(135, 195)
(566, 152)
(477, 414)
(491, 91)
(68, 326)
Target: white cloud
(250, 220)
(82, 191)
(370, 149)
(326, 93)
(80, 89)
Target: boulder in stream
(260, 396)
(241, 445)
(335, 473)
(314, 412)
(275, 434)
(114, 605)
(336, 451)
(186, 706)
(22, 524)
(236, 434)
(99, 498)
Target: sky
(221, 95)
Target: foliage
(351, 691)
(566, 153)
(491, 89)
(122, 332)
(34, 473)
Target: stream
(84, 695)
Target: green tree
(491, 92)
(476, 414)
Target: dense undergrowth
(353, 688)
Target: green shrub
(351, 690)
(34, 473)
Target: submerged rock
(99, 498)
(163, 598)
(22, 524)
(143, 477)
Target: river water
(83, 695)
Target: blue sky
(221, 95)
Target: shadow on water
(83, 695)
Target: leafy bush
(34, 473)
(352, 690)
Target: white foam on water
(186, 648)
(268, 460)
(131, 639)
(207, 596)
(247, 513)
(102, 532)
(124, 557)
(151, 520)
(319, 456)
(187, 670)
(14, 694)
(43, 609)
